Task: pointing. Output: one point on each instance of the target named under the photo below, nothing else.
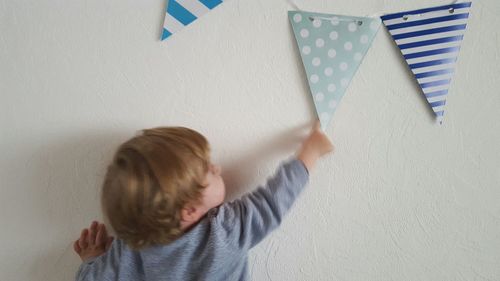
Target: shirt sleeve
(84, 270)
(248, 220)
(103, 267)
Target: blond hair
(152, 176)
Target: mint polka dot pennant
(332, 48)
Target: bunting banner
(332, 48)
(429, 40)
(183, 12)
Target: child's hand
(94, 241)
(316, 145)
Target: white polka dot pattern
(331, 47)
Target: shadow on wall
(238, 175)
(66, 176)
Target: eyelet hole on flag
(405, 18)
(358, 22)
(451, 10)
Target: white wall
(401, 199)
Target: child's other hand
(94, 241)
(316, 145)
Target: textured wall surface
(401, 199)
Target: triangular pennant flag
(429, 40)
(331, 47)
(183, 12)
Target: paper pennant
(429, 40)
(331, 47)
(183, 12)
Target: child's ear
(189, 213)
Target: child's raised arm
(248, 220)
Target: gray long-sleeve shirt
(216, 248)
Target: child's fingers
(76, 246)
(100, 237)
(104, 230)
(93, 233)
(82, 242)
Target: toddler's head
(159, 184)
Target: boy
(163, 198)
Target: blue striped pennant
(429, 40)
(183, 12)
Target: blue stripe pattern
(435, 83)
(177, 16)
(438, 103)
(211, 3)
(432, 63)
(436, 94)
(180, 13)
(434, 73)
(165, 34)
(429, 40)
(432, 52)
(429, 31)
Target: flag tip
(165, 34)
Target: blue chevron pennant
(183, 12)
(429, 40)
